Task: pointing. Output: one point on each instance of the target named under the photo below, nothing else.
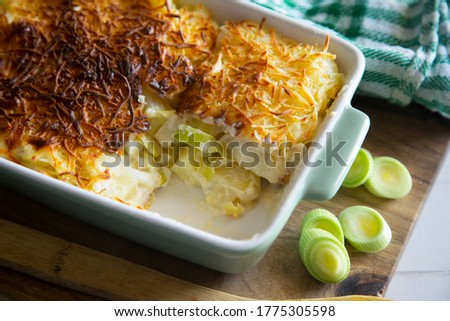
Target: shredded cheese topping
(262, 86)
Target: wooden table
(85, 263)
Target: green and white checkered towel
(406, 44)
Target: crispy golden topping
(264, 87)
(71, 72)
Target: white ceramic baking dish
(180, 223)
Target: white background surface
(423, 271)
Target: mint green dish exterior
(221, 251)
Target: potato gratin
(83, 82)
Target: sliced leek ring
(389, 178)
(193, 136)
(360, 170)
(325, 220)
(324, 256)
(365, 229)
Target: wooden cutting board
(46, 255)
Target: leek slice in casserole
(231, 189)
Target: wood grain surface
(413, 135)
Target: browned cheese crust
(71, 72)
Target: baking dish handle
(334, 158)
